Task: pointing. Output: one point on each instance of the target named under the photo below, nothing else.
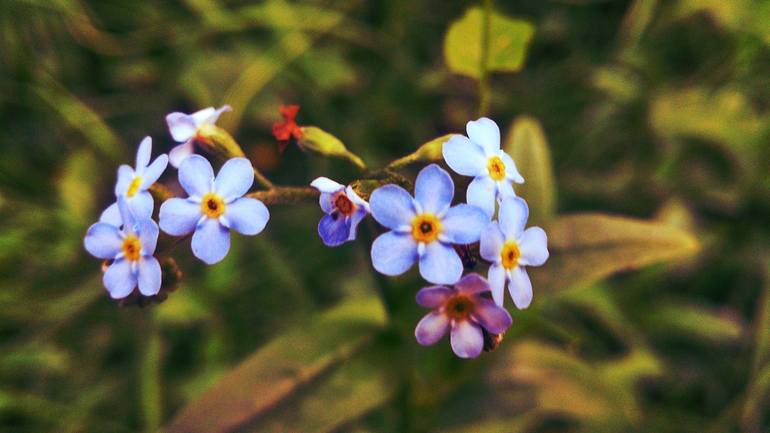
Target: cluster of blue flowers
(424, 228)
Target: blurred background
(657, 110)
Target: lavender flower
(344, 210)
(184, 128)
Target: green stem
(265, 182)
(484, 86)
(150, 387)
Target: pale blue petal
(434, 296)
(234, 179)
(431, 328)
(440, 264)
(463, 224)
(126, 215)
(334, 229)
(513, 217)
(534, 247)
(520, 287)
(324, 184)
(492, 317)
(103, 241)
(125, 177)
(143, 155)
(358, 201)
(119, 279)
(497, 283)
(181, 152)
(149, 276)
(141, 204)
(434, 190)
(325, 201)
(357, 217)
(481, 193)
(154, 171)
(505, 189)
(214, 117)
(181, 126)
(247, 216)
(467, 339)
(179, 216)
(111, 215)
(472, 284)
(511, 172)
(211, 241)
(196, 175)
(393, 253)
(147, 231)
(202, 116)
(392, 207)
(485, 133)
(464, 157)
(491, 242)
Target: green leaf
(276, 372)
(509, 40)
(528, 147)
(588, 247)
(697, 321)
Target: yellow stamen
(132, 248)
(510, 255)
(212, 205)
(458, 307)
(496, 168)
(133, 188)
(425, 228)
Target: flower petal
(463, 224)
(325, 201)
(464, 157)
(334, 229)
(357, 217)
(392, 207)
(143, 154)
(433, 296)
(467, 339)
(434, 190)
(358, 201)
(481, 193)
(179, 216)
(485, 133)
(149, 276)
(119, 279)
(504, 189)
(440, 264)
(181, 152)
(234, 179)
(491, 242)
(431, 328)
(211, 241)
(534, 247)
(103, 241)
(181, 126)
(147, 231)
(196, 175)
(513, 217)
(493, 318)
(497, 283)
(520, 287)
(324, 184)
(141, 204)
(511, 172)
(393, 253)
(209, 115)
(111, 215)
(472, 284)
(154, 171)
(125, 177)
(247, 216)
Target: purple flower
(344, 210)
(184, 128)
(462, 310)
(214, 206)
(424, 228)
(479, 155)
(131, 250)
(133, 184)
(509, 247)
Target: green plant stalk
(149, 372)
(484, 86)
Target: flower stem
(484, 87)
(264, 181)
(285, 195)
(149, 381)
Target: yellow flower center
(458, 307)
(212, 205)
(132, 248)
(510, 255)
(496, 168)
(343, 204)
(425, 228)
(133, 188)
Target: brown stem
(285, 195)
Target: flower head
(133, 184)
(131, 250)
(283, 131)
(463, 311)
(344, 210)
(510, 248)
(424, 228)
(184, 129)
(214, 206)
(479, 155)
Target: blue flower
(184, 128)
(423, 228)
(214, 206)
(344, 210)
(510, 248)
(479, 155)
(133, 184)
(131, 250)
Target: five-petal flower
(479, 155)
(184, 129)
(464, 311)
(509, 247)
(214, 206)
(344, 210)
(424, 227)
(131, 250)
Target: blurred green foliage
(657, 110)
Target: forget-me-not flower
(133, 184)
(131, 250)
(479, 155)
(463, 311)
(424, 228)
(344, 210)
(510, 248)
(214, 206)
(184, 129)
